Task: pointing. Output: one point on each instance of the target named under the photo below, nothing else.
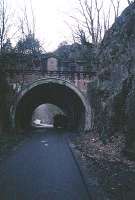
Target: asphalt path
(42, 168)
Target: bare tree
(129, 1)
(116, 7)
(92, 24)
(28, 45)
(27, 27)
(106, 20)
(94, 20)
(4, 24)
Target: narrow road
(43, 168)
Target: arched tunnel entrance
(48, 115)
(53, 91)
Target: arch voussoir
(54, 82)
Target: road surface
(42, 168)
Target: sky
(52, 18)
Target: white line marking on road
(43, 141)
(46, 144)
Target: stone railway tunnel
(55, 91)
(62, 89)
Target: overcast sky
(51, 17)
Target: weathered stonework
(53, 81)
(111, 94)
(68, 80)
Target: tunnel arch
(68, 97)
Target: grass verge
(8, 142)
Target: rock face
(112, 93)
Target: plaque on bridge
(52, 64)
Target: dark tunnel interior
(60, 95)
